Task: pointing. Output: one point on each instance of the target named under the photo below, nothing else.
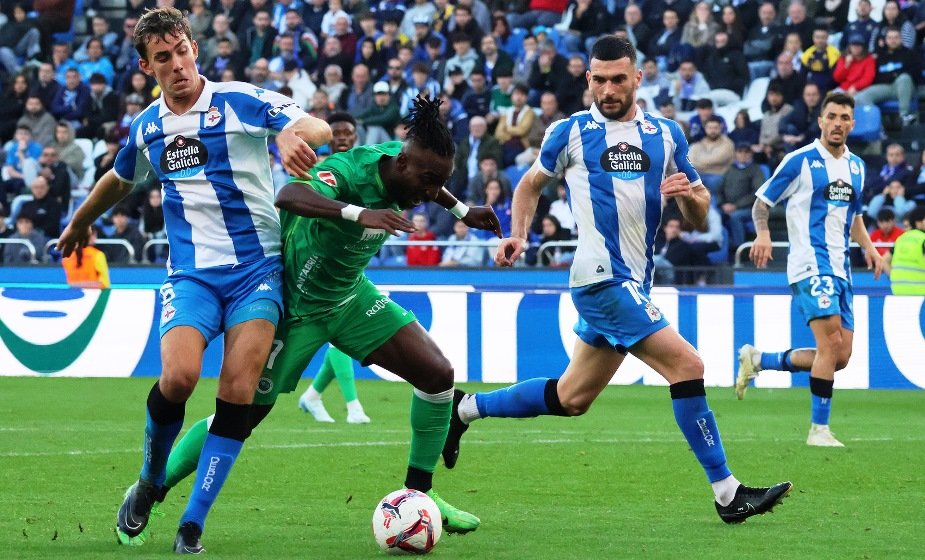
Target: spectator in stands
(344, 33)
(540, 12)
(549, 71)
(500, 95)
(654, 81)
(20, 254)
(152, 223)
(127, 60)
(787, 79)
(572, 87)
(420, 9)
(893, 197)
(5, 231)
(661, 44)
(62, 62)
(72, 102)
(797, 21)
(801, 126)
(105, 161)
(526, 59)
(124, 229)
(13, 108)
(368, 55)
(359, 96)
(855, 69)
(863, 26)
(425, 255)
(488, 171)
(898, 69)
(832, 14)
(712, 155)
(894, 169)
(515, 125)
(494, 197)
(19, 39)
(724, 66)
(671, 251)
(233, 10)
(667, 109)
(86, 267)
(260, 75)
(763, 41)
(141, 84)
(745, 131)
(462, 255)
(45, 87)
(505, 38)
(886, 231)
(306, 43)
(54, 16)
(589, 21)
(735, 193)
(477, 99)
(493, 60)
(819, 60)
(380, 119)
(40, 122)
(477, 146)
(391, 39)
(463, 23)
(68, 150)
(421, 83)
(109, 41)
(395, 79)
(561, 211)
(104, 109)
(422, 36)
(330, 18)
(133, 106)
(334, 84)
(549, 113)
(313, 11)
(552, 231)
(735, 25)
(45, 211)
(689, 86)
(221, 29)
(640, 34)
(915, 189)
(769, 138)
(700, 28)
(479, 11)
(59, 178)
(257, 41)
(465, 57)
(22, 153)
(200, 20)
(224, 58)
(452, 115)
(704, 112)
(299, 82)
(894, 18)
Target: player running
(821, 184)
(333, 224)
(619, 163)
(224, 237)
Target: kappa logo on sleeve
(328, 178)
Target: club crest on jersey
(649, 128)
(839, 193)
(184, 157)
(824, 301)
(328, 178)
(653, 312)
(212, 118)
(625, 161)
(167, 313)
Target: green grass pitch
(616, 483)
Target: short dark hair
(838, 98)
(159, 23)
(917, 214)
(120, 210)
(427, 130)
(341, 116)
(460, 37)
(522, 88)
(704, 103)
(611, 47)
(715, 119)
(886, 215)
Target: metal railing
(28, 244)
(120, 242)
(737, 261)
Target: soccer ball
(407, 522)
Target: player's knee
(843, 360)
(690, 368)
(177, 384)
(440, 380)
(576, 405)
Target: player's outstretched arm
(523, 208)
(760, 252)
(478, 217)
(871, 254)
(105, 194)
(301, 199)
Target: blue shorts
(212, 300)
(824, 296)
(615, 314)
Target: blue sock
(821, 393)
(694, 417)
(159, 440)
(533, 397)
(215, 462)
(772, 360)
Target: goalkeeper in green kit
(333, 223)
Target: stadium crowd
(744, 78)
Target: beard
(626, 104)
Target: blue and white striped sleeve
(131, 158)
(554, 150)
(263, 109)
(783, 181)
(859, 200)
(680, 161)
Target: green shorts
(360, 325)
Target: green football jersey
(324, 259)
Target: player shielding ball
(333, 224)
(821, 184)
(618, 163)
(207, 145)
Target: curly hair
(427, 130)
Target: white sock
(354, 406)
(468, 411)
(311, 394)
(725, 490)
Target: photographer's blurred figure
(87, 267)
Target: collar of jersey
(827, 154)
(201, 106)
(597, 116)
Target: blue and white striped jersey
(214, 170)
(613, 173)
(822, 194)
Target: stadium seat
(89, 168)
(867, 127)
(16, 206)
(889, 107)
(754, 97)
(721, 255)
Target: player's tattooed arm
(761, 213)
(760, 253)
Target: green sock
(185, 455)
(327, 372)
(430, 422)
(342, 364)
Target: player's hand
(677, 186)
(874, 262)
(73, 237)
(296, 155)
(760, 253)
(510, 250)
(483, 217)
(385, 219)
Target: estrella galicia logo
(184, 157)
(839, 193)
(625, 161)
